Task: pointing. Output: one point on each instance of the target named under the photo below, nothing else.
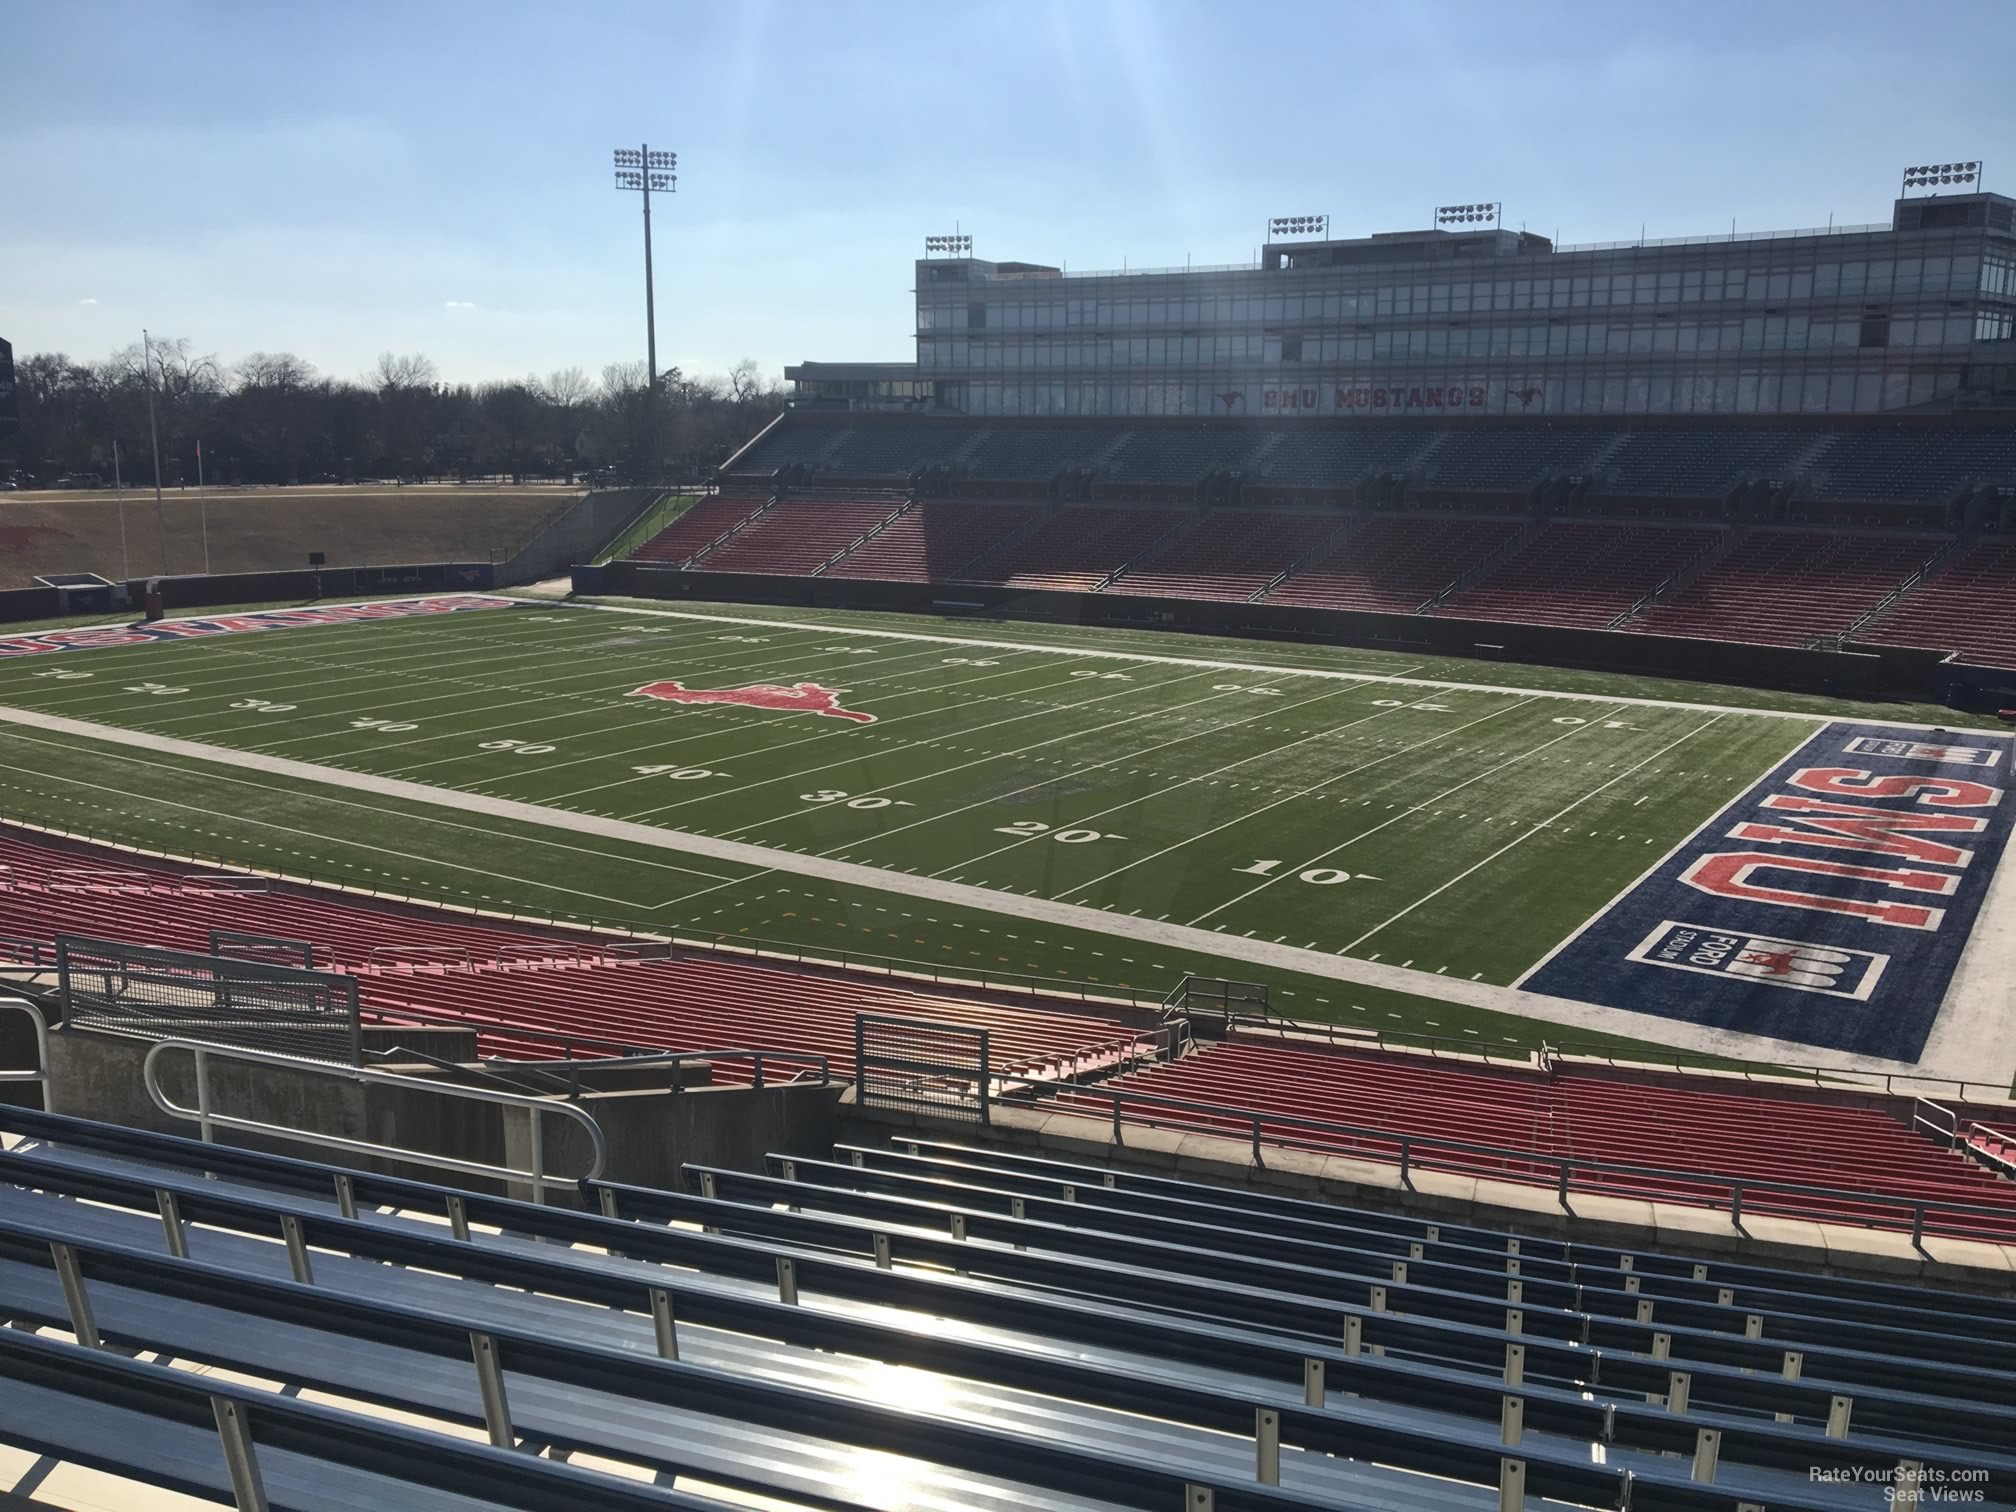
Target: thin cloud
(459, 304)
(87, 301)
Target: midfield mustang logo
(803, 698)
(1828, 969)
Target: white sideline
(1966, 1062)
(1272, 671)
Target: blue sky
(340, 179)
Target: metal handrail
(1991, 1146)
(205, 1116)
(1411, 1147)
(1935, 1119)
(35, 1017)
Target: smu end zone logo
(1799, 964)
(1856, 873)
(800, 698)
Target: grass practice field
(1361, 805)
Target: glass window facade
(1860, 320)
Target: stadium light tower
(644, 170)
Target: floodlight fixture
(647, 171)
(952, 246)
(1298, 225)
(1937, 176)
(1482, 212)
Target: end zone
(96, 637)
(1830, 905)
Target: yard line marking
(230, 655)
(859, 732)
(1317, 860)
(1258, 667)
(1065, 776)
(1530, 831)
(488, 872)
(802, 774)
(1338, 777)
(1638, 881)
(767, 862)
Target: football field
(1071, 804)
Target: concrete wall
(576, 536)
(650, 1126)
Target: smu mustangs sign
(97, 636)
(1828, 905)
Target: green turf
(1457, 831)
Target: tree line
(271, 418)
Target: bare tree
(745, 381)
(396, 371)
(569, 388)
(274, 370)
(620, 378)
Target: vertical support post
(1515, 1320)
(882, 1257)
(490, 1383)
(1399, 1272)
(1511, 1421)
(1753, 1326)
(346, 1194)
(663, 1324)
(171, 1224)
(458, 1216)
(787, 1281)
(1267, 1446)
(861, 1064)
(1199, 1499)
(1515, 1291)
(1839, 1410)
(1312, 1383)
(1378, 1299)
(297, 1249)
(606, 1200)
(248, 1489)
(1707, 1455)
(1678, 1384)
(202, 1060)
(986, 1082)
(860, 1160)
(1795, 1364)
(1511, 1485)
(1069, 1193)
(1908, 1484)
(789, 1168)
(1662, 1345)
(1515, 1364)
(1354, 1336)
(959, 1226)
(537, 1135)
(82, 1323)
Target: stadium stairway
(1965, 608)
(702, 525)
(803, 1337)
(1788, 587)
(1724, 1135)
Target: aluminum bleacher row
(1724, 1134)
(940, 1327)
(417, 965)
